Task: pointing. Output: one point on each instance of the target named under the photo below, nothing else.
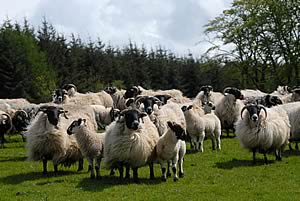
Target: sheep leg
(151, 170)
(112, 172)
(91, 167)
(227, 131)
(180, 164)
(213, 141)
(296, 146)
(2, 140)
(121, 171)
(135, 174)
(80, 165)
(44, 166)
(201, 140)
(218, 143)
(97, 168)
(163, 171)
(169, 169)
(127, 174)
(174, 169)
(265, 157)
(254, 156)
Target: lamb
(199, 126)
(171, 146)
(263, 132)
(104, 116)
(91, 144)
(5, 126)
(47, 140)
(131, 141)
(229, 108)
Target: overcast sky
(175, 24)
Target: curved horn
(69, 86)
(8, 117)
(140, 99)
(262, 107)
(226, 89)
(41, 109)
(245, 107)
(61, 110)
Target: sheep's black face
(254, 111)
(236, 92)
(110, 90)
(132, 119)
(53, 113)
(132, 92)
(186, 108)
(178, 130)
(20, 120)
(272, 101)
(59, 96)
(163, 98)
(206, 89)
(75, 124)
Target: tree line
(264, 34)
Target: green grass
(225, 175)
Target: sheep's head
(53, 113)
(163, 98)
(75, 125)
(206, 89)
(272, 100)
(148, 102)
(186, 108)
(20, 120)
(110, 90)
(178, 130)
(4, 119)
(67, 87)
(59, 95)
(132, 92)
(254, 111)
(233, 91)
(208, 106)
(114, 113)
(132, 118)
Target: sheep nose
(254, 117)
(60, 99)
(149, 110)
(135, 125)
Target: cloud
(175, 24)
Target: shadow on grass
(17, 158)
(235, 163)
(31, 176)
(88, 184)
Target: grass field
(225, 175)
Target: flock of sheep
(143, 127)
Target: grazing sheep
(229, 107)
(47, 140)
(131, 141)
(171, 147)
(90, 143)
(5, 126)
(199, 126)
(263, 132)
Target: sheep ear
(143, 114)
(183, 108)
(170, 124)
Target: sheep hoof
(163, 178)
(175, 179)
(169, 174)
(181, 174)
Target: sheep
(20, 120)
(267, 100)
(171, 146)
(229, 107)
(91, 144)
(199, 126)
(5, 126)
(207, 94)
(293, 112)
(47, 139)
(71, 89)
(131, 142)
(295, 95)
(17, 103)
(208, 107)
(263, 131)
(60, 96)
(117, 96)
(252, 93)
(103, 115)
(284, 93)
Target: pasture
(225, 175)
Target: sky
(176, 25)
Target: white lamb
(91, 144)
(263, 132)
(171, 147)
(199, 126)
